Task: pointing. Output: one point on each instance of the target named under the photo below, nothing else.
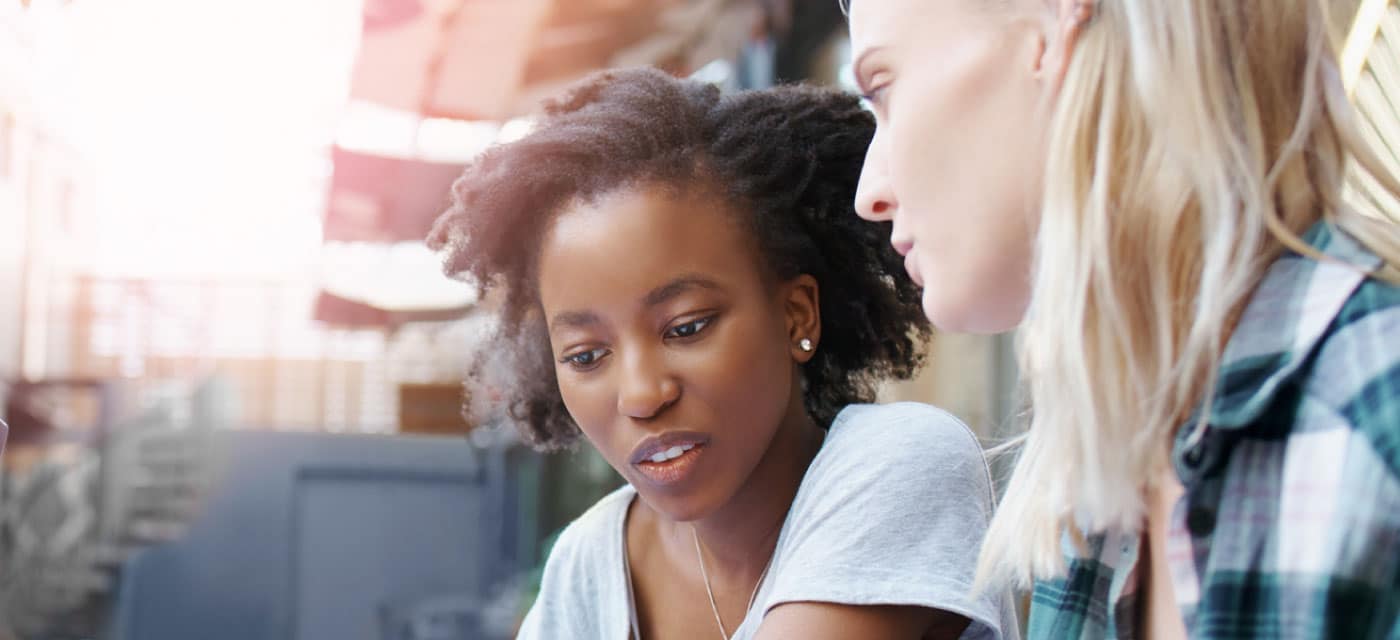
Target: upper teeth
(672, 453)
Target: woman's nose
(875, 200)
(645, 388)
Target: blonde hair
(1192, 142)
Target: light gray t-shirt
(891, 512)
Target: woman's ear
(1064, 24)
(802, 304)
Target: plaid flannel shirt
(1290, 523)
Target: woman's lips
(671, 466)
(667, 458)
(912, 268)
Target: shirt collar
(1286, 317)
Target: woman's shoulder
(901, 431)
(1315, 348)
(876, 452)
(1355, 371)
(590, 535)
(892, 511)
(583, 585)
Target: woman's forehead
(623, 245)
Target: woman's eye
(689, 329)
(584, 359)
(876, 96)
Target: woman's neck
(739, 538)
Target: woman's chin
(973, 313)
(677, 508)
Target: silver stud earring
(805, 344)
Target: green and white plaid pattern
(1290, 526)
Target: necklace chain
(713, 606)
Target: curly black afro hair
(790, 157)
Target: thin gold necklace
(715, 607)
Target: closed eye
(876, 96)
(689, 329)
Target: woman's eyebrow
(678, 286)
(575, 319)
(657, 296)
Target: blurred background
(231, 371)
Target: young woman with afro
(681, 279)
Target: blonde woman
(1154, 193)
